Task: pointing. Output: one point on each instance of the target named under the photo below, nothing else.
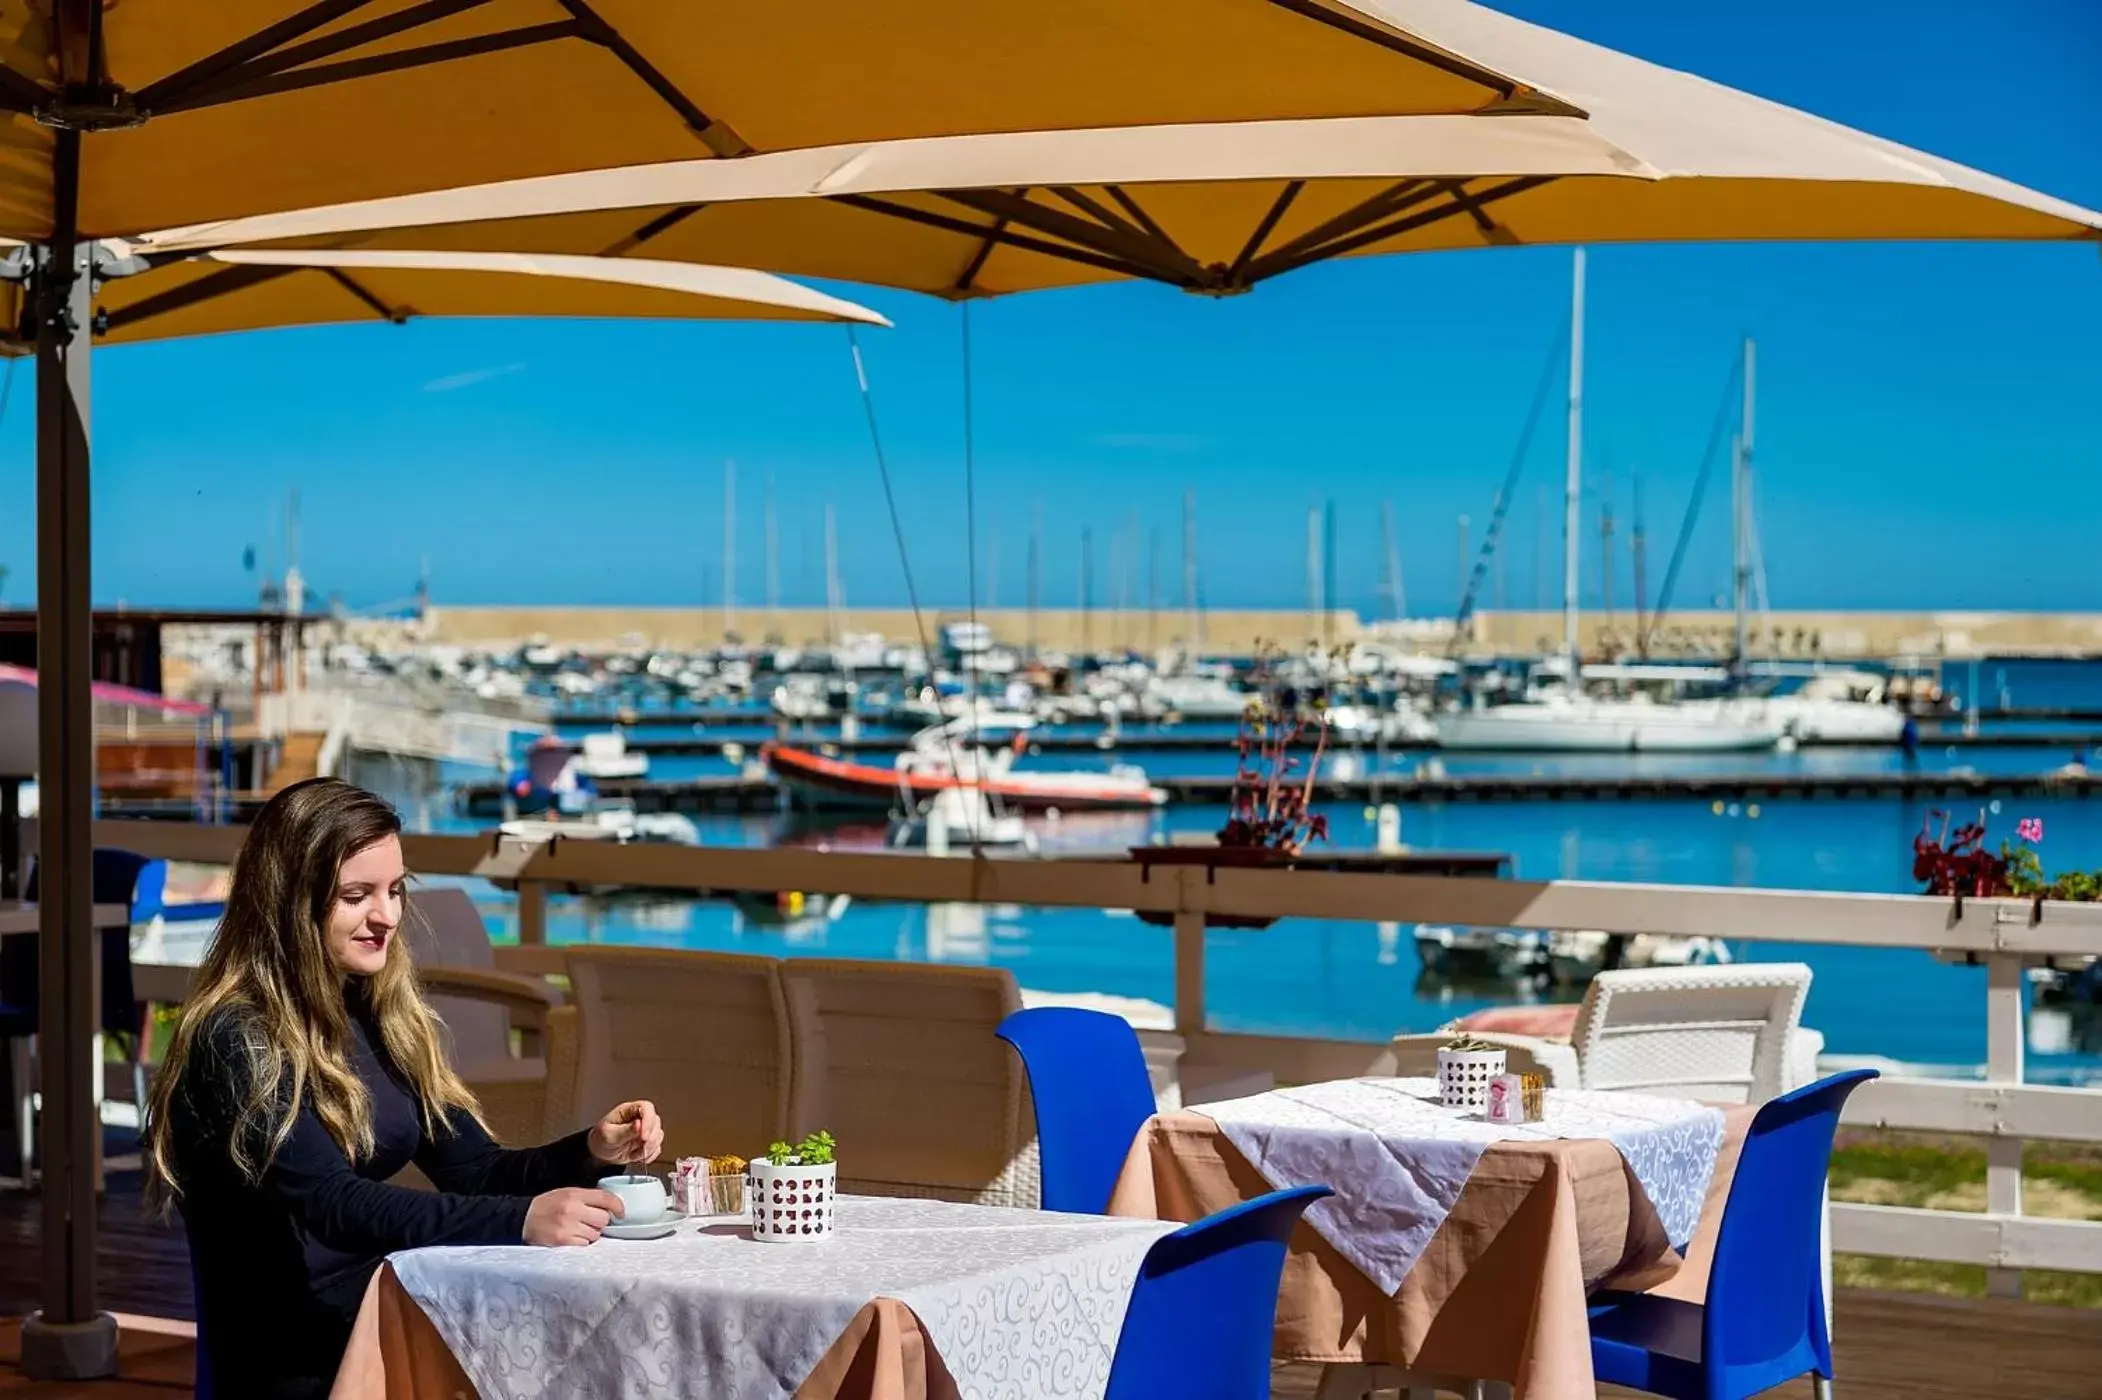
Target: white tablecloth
(1019, 1304)
(1398, 1159)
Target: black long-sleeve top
(282, 1263)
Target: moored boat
(943, 757)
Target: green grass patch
(1941, 1172)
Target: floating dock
(1172, 741)
(741, 793)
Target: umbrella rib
(1404, 194)
(376, 64)
(1492, 231)
(660, 224)
(1096, 210)
(1169, 264)
(1140, 225)
(223, 282)
(719, 136)
(985, 252)
(1265, 228)
(999, 235)
(1458, 67)
(254, 46)
(357, 289)
(328, 46)
(1145, 220)
(1273, 266)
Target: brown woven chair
(899, 1062)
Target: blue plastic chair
(1201, 1317)
(1088, 1077)
(1763, 1321)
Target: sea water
(1358, 980)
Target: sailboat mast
(1034, 583)
(1741, 510)
(1087, 583)
(1639, 546)
(773, 552)
(832, 598)
(1390, 558)
(1328, 574)
(1313, 571)
(729, 545)
(1153, 589)
(1573, 483)
(1195, 637)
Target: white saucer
(653, 1229)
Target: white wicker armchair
(1729, 1034)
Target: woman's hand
(572, 1215)
(631, 1134)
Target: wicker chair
(704, 1036)
(899, 1061)
(1727, 1034)
(480, 1007)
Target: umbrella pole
(68, 1338)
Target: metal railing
(2003, 935)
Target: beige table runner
(1498, 1294)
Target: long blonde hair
(269, 970)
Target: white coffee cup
(642, 1197)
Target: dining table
(907, 1299)
(1455, 1249)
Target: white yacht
(1562, 722)
(606, 755)
(1209, 697)
(1832, 707)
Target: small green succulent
(813, 1151)
(1466, 1043)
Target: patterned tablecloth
(1016, 1304)
(1398, 1158)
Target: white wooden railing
(2004, 935)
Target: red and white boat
(948, 756)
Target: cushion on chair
(1546, 1022)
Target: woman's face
(366, 912)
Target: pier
(757, 793)
(1222, 742)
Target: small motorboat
(606, 756)
(958, 816)
(951, 755)
(1565, 957)
(1482, 954)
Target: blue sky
(1930, 425)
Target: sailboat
(1555, 714)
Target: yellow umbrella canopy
(1216, 207)
(217, 108)
(262, 289)
(122, 116)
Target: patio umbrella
(1654, 154)
(131, 115)
(245, 290)
(261, 289)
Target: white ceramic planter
(1464, 1075)
(792, 1204)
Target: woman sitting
(305, 1072)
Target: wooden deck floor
(1890, 1346)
